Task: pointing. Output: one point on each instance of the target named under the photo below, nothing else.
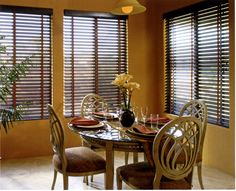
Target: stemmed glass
(118, 112)
(105, 110)
(135, 110)
(144, 111)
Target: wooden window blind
(95, 50)
(27, 33)
(197, 58)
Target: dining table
(112, 136)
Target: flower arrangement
(126, 87)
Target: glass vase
(127, 118)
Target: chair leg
(54, 180)
(126, 157)
(118, 181)
(91, 179)
(85, 180)
(199, 171)
(144, 158)
(65, 182)
(135, 157)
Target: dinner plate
(113, 116)
(100, 124)
(150, 122)
(134, 132)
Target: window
(197, 58)
(95, 50)
(27, 33)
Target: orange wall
(146, 64)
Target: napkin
(160, 120)
(83, 121)
(143, 129)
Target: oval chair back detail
(175, 153)
(75, 161)
(198, 109)
(92, 103)
(175, 150)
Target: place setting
(104, 115)
(86, 123)
(147, 126)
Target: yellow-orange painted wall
(146, 64)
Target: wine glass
(154, 121)
(105, 111)
(144, 111)
(135, 110)
(118, 112)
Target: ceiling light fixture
(128, 7)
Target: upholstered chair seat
(80, 160)
(141, 175)
(73, 161)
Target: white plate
(100, 124)
(114, 116)
(150, 122)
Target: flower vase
(127, 118)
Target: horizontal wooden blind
(95, 50)
(180, 53)
(27, 33)
(197, 58)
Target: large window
(95, 50)
(197, 58)
(27, 33)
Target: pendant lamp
(128, 7)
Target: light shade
(128, 7)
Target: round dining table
(111, 136)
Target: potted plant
(8, 76)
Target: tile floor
(37, 174)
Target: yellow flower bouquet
(126, 87)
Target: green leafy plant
(8, 76)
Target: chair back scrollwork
(56, 135)
(92, 103)
(175, 149)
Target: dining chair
(74, 161)
(180, 136)
(198, 109)
(92, 103)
